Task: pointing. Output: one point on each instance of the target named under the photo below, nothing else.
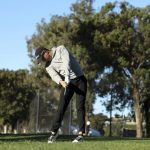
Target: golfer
(63, 68)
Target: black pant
(78, 86)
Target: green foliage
(98, 121)
(123, 35)
(36, 142)
(116, 38)
(16, 93)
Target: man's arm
(66, 63)
(55, 76)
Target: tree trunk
(137, 108)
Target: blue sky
(18, 19)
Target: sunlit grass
(39, 142)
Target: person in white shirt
(64, 69)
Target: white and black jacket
(63, 65)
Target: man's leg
(80, 102)
(65, 97)
(80, 89)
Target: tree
(16, 93)
(113, 87)
(124, 35)
(98, 121)
(146, 91)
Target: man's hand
(63, 83)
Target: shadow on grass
(32, 137)
(43, 138)
(28, 137)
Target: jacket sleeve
(66, 63)
(53, 74)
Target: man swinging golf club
(63, 68)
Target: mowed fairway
(39, 142)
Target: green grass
(39, 142)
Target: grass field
(39, 142)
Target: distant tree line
(16, 93)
